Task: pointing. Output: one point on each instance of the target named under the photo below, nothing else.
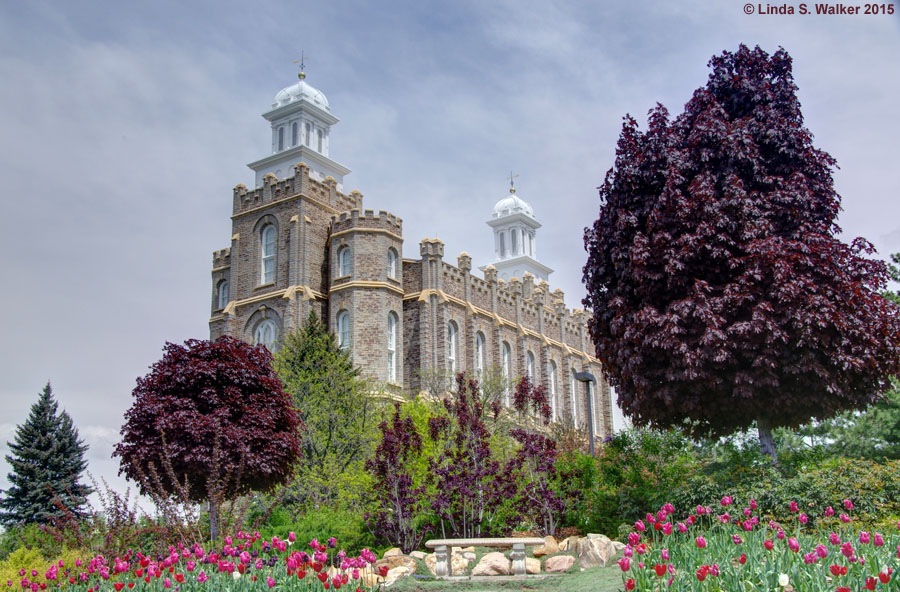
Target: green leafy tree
(337, 409)
(47, 461)
(894, 273)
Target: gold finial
(512, 184)
(302, 62)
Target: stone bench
(442, 551)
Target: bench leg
(442, 565)
(518, 559)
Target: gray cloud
(125, 129)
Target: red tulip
(630, 584)
(660, 569)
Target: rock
(396, 573)
(559, 563)
(465, 550)
(393, 552)
(549, 547)
(532, 565)
(469, 555)
(595, 550)
(418, 555)
(458, 564)
(492, 564)
(568, 544)
(397, 561)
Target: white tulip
(237, 575)
(783, 580)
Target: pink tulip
(726, 501)
(844, 518)
(639, 526)
(701, 542)
(624, 563)
(829, 512)
(793, 544)
(803, 518)
(270, 582)
(877, 540)
(834, 538)
(864, 538)
(794, 507)
(848, 505)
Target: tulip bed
(244, 562)
(734, 548)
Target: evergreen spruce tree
(47, 461)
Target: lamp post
(587, 378)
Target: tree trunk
(213, 520)
(765, 439)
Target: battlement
(274, 190)
(355, 219)
(433, 247)
(222, 258)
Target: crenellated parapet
(274, 190)
(222, 258)
(368, 219)
(431, 247)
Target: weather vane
(512, 184)
(302, 62)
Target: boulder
(418, 555)
(532, 565)
(568, 544)
(549, 547)
(401, 571)
(393, 552)
(458, 564)
(559, 563)
(595, 550)
(492, 564)
(397, 561)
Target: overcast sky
(124, 127)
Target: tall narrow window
(223, 293)
(281, 138)
(343, 329)
(306, 131)
(451, 348)
(502, 244)
(319, 135)
(392, 264)
(513, 234)
(266, 333)
(268, 254)
(392, 348)
(574, 400)
(507, 367)
(529, 366)
(479, 354)
(344, 261)
(553, 390)
(295, 133)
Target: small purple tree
(400, 501)
(535, 461)
(470, 486)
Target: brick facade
(314, 222)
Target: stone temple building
(300, 243)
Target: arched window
(507, 366)
(295, 133)
(392, 347)
(267, 254)
(502, 244)
(452, 339)
(574, 400)
(343, 261)
(319, 135)
(266, 333)
(553, 389)
(392, 264)
(223, 294)
(343, 329)
(281, 138)
(306, 131)
(513, 239)
(479, 354)
(529, 366)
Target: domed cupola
(301, 91)
(301, 121)
(515, 247)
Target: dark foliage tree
(720, 293)
(401, 502)
(210, 421)
(47, 461)
(337, 411)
